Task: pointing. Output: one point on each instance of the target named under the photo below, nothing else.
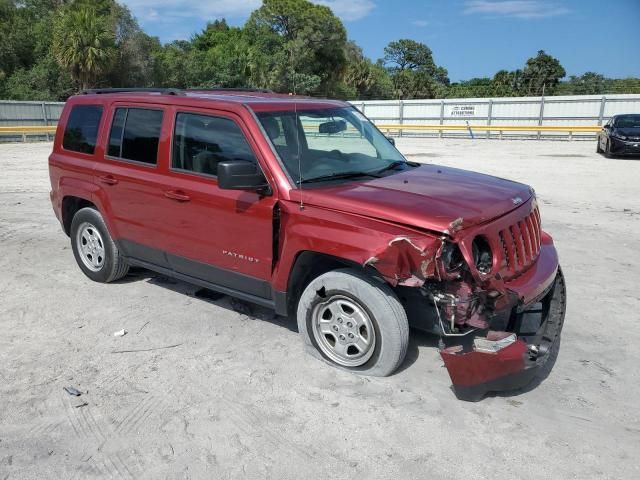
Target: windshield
(329, 144)
(628, 121)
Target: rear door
(221, 236)
(131, 182)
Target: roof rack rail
(231, 89)
(166, 91)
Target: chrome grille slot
(520, 244)
(508, 257)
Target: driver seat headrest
(272, 127)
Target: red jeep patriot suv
(302, 205)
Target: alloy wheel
(344, 331)
(90, 247)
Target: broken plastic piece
(72, 391)
(482, 344)
(475, 373)
(120, 333)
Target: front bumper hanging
(508, 363)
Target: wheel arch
(308, 265)
(70, 206)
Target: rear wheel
(598, 149)
(95, 251)
(354, 322)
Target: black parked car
(620, 136)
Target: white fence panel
(568, 111)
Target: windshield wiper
(391, 166)
(338, 176)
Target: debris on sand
(72, 391)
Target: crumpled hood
(428, 196)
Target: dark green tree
(220, 57)
(622, 85)
(134, 60)
(45, 80)
(362, 78)
(507, 84)
(475, 87)
(172, 63)
(83, 43)
(406, 54)
(51, 48)
(413, 71)
(542, 74)
(297, 45)
(589, 83)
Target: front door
(221, 236)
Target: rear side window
(135, 134)
(81, 130)
(200, 142)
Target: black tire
(607, 149)
(598, 149)
(390, 335)
(550, 340)
(109, 265)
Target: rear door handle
(108, 179)
(177, 195)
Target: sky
(470, 38)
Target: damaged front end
(494, 293)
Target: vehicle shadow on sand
(252, 311)
(249, 310)
(417, 338)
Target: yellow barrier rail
(25, 130)
(28, 129)
(493, 128)
(500, 129)
(384, 126)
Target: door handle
(177, 195)
(108, 179)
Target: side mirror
(241, 175)
(392, 141)
(336, 126)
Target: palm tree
(83, 43)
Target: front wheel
(607, 149)
(95, 251)
(354, 322)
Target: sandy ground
(238, 398)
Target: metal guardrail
(24, 131)
(389, 128)
(27, 129)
